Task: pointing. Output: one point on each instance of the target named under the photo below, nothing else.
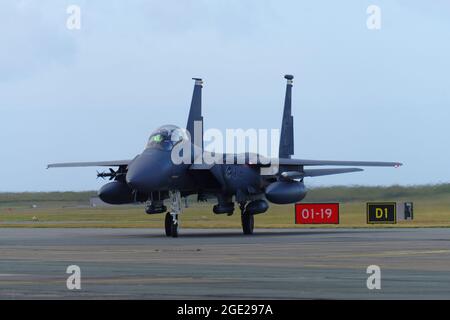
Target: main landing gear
(171, 225)
(171, 220)
(248, 220)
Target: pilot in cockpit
(166, 137)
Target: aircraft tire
(248, 222)
(174, 229)
(168, 224)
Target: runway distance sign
(381, 212)
(317, 213)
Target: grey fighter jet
(153, 177)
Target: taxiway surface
(224, 264)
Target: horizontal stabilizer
(317, 172)
(115, 163)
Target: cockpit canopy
(166, 137)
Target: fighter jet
(153, 178)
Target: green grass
(70, 209)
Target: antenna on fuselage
(286, 149)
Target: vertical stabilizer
(195, 113)
(286, 149)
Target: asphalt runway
(224, 264)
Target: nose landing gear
(247, 219)
(171, 220)
(171, 225)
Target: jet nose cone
(149, 172)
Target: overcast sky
(98, 92)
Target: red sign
(317, 213)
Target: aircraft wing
(115, 163)
(303, 162)
(317, 172)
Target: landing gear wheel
(174, 228)
(168, 224)
(248, 223)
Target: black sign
(381, 212)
